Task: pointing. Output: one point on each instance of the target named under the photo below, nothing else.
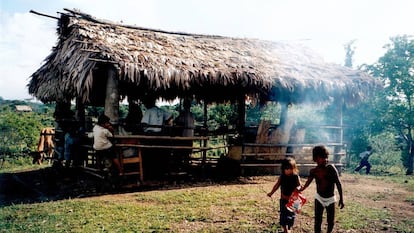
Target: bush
(386, 158)
(19, 131)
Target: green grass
(406, 181)
(355, 216)
(15, 163)
(155, 211)
(18, 163)
(207, 208)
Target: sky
(325, 26)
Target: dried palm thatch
(175, 64)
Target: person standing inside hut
(72, 145)
(153, 122)
(133, 119)
(102, 131)
(288, 181)
(185, 125)
(185, 120)
(154, 118)
(326, 177)
(364, 156)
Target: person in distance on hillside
(364, 156)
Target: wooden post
(204, 153)
(205, 115)
(339, 134)
(282, 133)
(283, 113)
(241, 114)
(80, 112)
(112, 97)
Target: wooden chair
(124, 161)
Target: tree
(396, 70)
(19, 131)
(350, 50)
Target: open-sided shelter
(100, 63)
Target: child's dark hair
(319, 152)
(289, 163)
(102, 119)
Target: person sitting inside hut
(101, 143)
(154, 118)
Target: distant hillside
(37, 107)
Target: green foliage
(386, 158)
(198, 112)
(362, 122)
(396, 71)
(19, 131)
(270, 112)
(221, 115)
(350, 50)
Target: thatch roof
(176, 64)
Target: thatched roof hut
(172, 65)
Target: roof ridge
(82, 15)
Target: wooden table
(152, 142)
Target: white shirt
(100, 138)
(154, 116)
(365, 154)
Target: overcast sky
(324, 25)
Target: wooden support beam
(112, 96)
(41, 14)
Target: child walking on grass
(288, 181)
(326, 177)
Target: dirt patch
(394, 199)
(379, 193)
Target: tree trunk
(112, 97)
(410, 161)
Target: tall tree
(349, 50)
(396, 70)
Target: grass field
(372, 204)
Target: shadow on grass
(51, 184)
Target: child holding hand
(326, 177)
(288, 181)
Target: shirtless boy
(326, 177)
